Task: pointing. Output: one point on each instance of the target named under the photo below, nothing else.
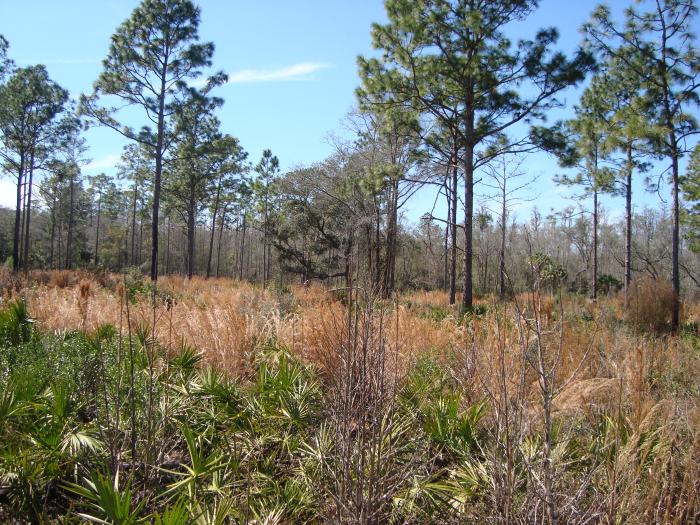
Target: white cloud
(298, 72)
(110, 161)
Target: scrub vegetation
(215, 401)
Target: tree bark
(628, 228)
(167, 252)
(159, 169)
(675, 318)
(133, 226)
(453, 234)
(190, 237)
(213, 227)
(502, 284)
(221, 236)
(53, 231)
(69, 238)
(240, 274)
(29, 213)
(97, 231)
(18, 215)
(467, 299)
(595, 243)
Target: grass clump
(651, 305)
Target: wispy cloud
(62, 61)
(110, 161)
(303, 71)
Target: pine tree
(264, 188)
(29, 105)
(99, 185)
(658, 47)
(629, 133)
(585, 149)
(451, 60)
(151, 56)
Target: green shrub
(609, 284)
(16, 325)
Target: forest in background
(188, 200)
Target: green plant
(608, 284)
(112, 506)
(16, 324)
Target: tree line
(450, 101)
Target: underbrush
(217, 407)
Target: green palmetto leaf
(202, 467)
(270, 517)
(178, 514)
(9, 406)
(61, 404)
(79, 440)
(215, 514)
(113, 507)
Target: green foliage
(609, 284)
(16, 325)
(690, 184)
(546, 269)
(112, 505)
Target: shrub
(651, 305)
(15, 324)
(10, 282)
(609, 284)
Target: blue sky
(292, 68)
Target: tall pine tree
(452, 60)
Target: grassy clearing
(218, 402)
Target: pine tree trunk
(18, 216)
(213, 227)
(24, 219)
(159, 169)
(628, 228)
(29, 213)
(69, 238)
(675, 318)
(240, 274)
(60, 246)
(133, 227)
(387, 284)
(167, 252)
(53, 231)
(468, 207)
(221, 236)
(595, 244)
(502, 284)
(140, 257)
(453, 233)
(190, 235)
(446, 270)
(97, 231)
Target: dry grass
(226, 319)
(651, 305)
(647, 381)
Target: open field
(313, 406)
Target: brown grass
(646, 380)
(227, 320)
(651, 305)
